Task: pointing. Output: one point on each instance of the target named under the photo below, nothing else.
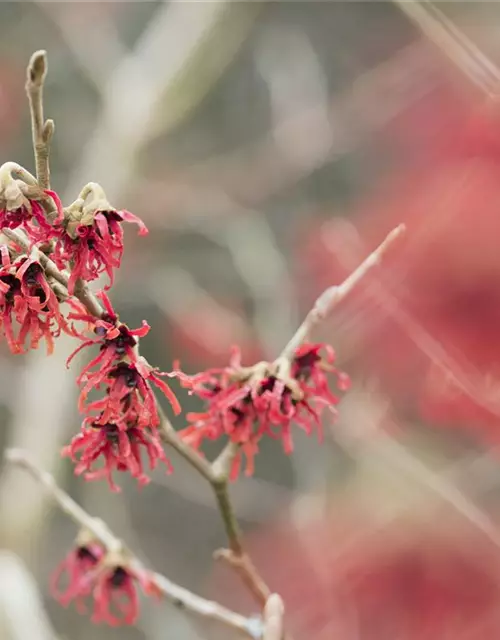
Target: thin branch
(454, 43)
(331, 297)
(217, 474)
(22, 608)
(180, 597)
(170, 437)
(273, 618)
(42, 130)
(235, 555)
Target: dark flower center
(128, 375)
(84, 553)
(124, 340)
(109, 319)
(305, 364)
(213, 388)
(32, 273)
(267, 384)
(110, 429)
(14, 284)
(118, 577)
(112, 216)
(239, 415)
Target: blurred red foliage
(349, 578)
(202, 334)
(430, 321)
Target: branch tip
(48, 131)
(37, 67)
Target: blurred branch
(97, 61)
(217, 46)
(273, 618)
(236, 229)
(297, 85)
(379, 446)
(255, 173)
(159, 69)
(264, 272)
(178, 295)
(464, 54)
(22, 615)
(462, 375)
(177, 595)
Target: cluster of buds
(91, 574)
(267, 399)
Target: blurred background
(269, 147)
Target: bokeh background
(269, 147)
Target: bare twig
(461, 51)
(176, 594)
(42, 129)
(217, 474)
(235, 555)
(273, 618)
(329, 299)
(379, 446)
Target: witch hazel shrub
(51, 255)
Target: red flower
(120, 445)
(115, 595)
(129, 392)
(246, 403)
(76, 570)
(30, 215)
(127, 376)
(112, 587)
(115, 340)
(93, 244)
(27, 298)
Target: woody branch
(177, 595)
(217, 472)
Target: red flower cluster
(28, 299)
(125, 419)
(247, 403)
(94, 245)
(113, 589)
(29, 214)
